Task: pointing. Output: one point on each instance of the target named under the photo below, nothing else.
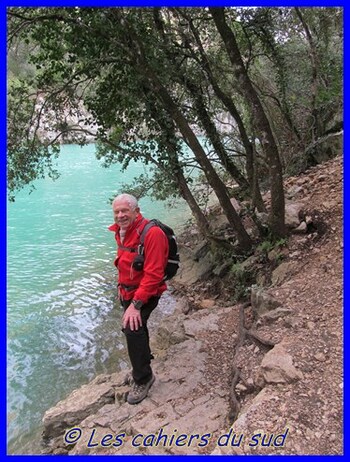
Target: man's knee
(134, 333)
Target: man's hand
(132, 316)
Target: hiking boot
(139, 392)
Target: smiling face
(124, 214)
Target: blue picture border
(6, 3)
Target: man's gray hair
(131, 200)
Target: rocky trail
(264, 377)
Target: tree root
(260, 341)
(243, 334)
(233, 401)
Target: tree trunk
(209, 171)
(202, 222)
(252, 172)
(276, 219)
(197, 96)
(213, 134)
(137, 54)
(230, 106)
(315, 119)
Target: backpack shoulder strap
(142, 226)
(149, 225)
(129, 249)
(140, 231)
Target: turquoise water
(63, 320)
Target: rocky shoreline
(264, 377)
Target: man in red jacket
(139, 290)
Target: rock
(294, 191)
(250, 262)
(154, 420)
(120, 394)
(283, 272)
(292, 214)
(262, 302)
(183, 306)
(60, 451)
(191, 271)
(262, 217)
(301, 229)
(320, 357)
(206, 303)
(292, 321)
(275, 314)
(240, 387)
(80, 403)
(170, 332)
(222, 270)
(277, 367)
(251, 227)
(301, 181)
(277, 253)
(195, 324)
(214, 409)
(308, 219)
(201, 250)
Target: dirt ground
(308, 411)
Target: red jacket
(149, 282)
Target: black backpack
(173, 256)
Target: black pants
(138, 343)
